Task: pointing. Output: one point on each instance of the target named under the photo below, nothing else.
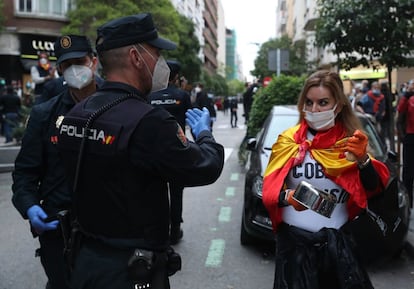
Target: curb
(5, 168)
(409, 244)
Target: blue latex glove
(198, 120)
(36, 216)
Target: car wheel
(245, 238)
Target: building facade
(30, 27)
(231, 55)
(297, 19)
(210, 16)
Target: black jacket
(38, 174)
(122, 190)
(176, 101)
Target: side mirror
(393, 156)
(251, 144)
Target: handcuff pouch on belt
(143, 264)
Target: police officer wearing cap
(120, 153)
(176, 101)
(40, 189)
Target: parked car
(375, 242)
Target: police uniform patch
(181, 136)
(65, 42)
(59, 121)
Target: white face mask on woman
(322, 120)
(161, 73)
(78, 76)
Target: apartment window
(44, 7)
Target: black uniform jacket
(38, 176)
(122, 189)
(176, 101)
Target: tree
(235, 87)
(362, 31)
(187, 50)
(297, 62)
(90, 14)
(2, 18)
(213, 83)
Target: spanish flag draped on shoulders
(327, 148)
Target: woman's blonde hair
(331, 81)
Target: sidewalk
(8, 153)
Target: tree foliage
(90, 14)
(281, 90)
(235, 87)
(215, 84)
(360, 31)
(187, 50)
(297, 59)
(2, 17)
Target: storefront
(18, 53)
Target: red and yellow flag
(327, 148)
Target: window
(44, 7)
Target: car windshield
(375, 146)
(277, 125)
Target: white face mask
(321, 120)
(78, 76)
(43, 61)
(161, 74)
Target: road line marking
(230, 192)
(234, 177)
(225, 213)
(215, 253)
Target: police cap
(174, 66)
(71, 46)
(129, 30)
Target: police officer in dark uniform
(120, 154)
(39, 187)
(176, 101)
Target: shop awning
(363, 74)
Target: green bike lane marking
(215, 253)
(234, 177)
(217, 246)
(224, 215)
(230, 192)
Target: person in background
(365, 86)
(176, 101)
(120, 172)
(328, 150)
(386, 123)
(51, 89)
(42, 73)
(405, 124)
(203, 100)
(233, 111)
(40, 189)
(248, 97)
(373, 104)
(226, 105)
(11, 105)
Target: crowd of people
(104, 163)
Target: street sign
(278, 60)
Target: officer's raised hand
(198, 120)
(37, 216)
